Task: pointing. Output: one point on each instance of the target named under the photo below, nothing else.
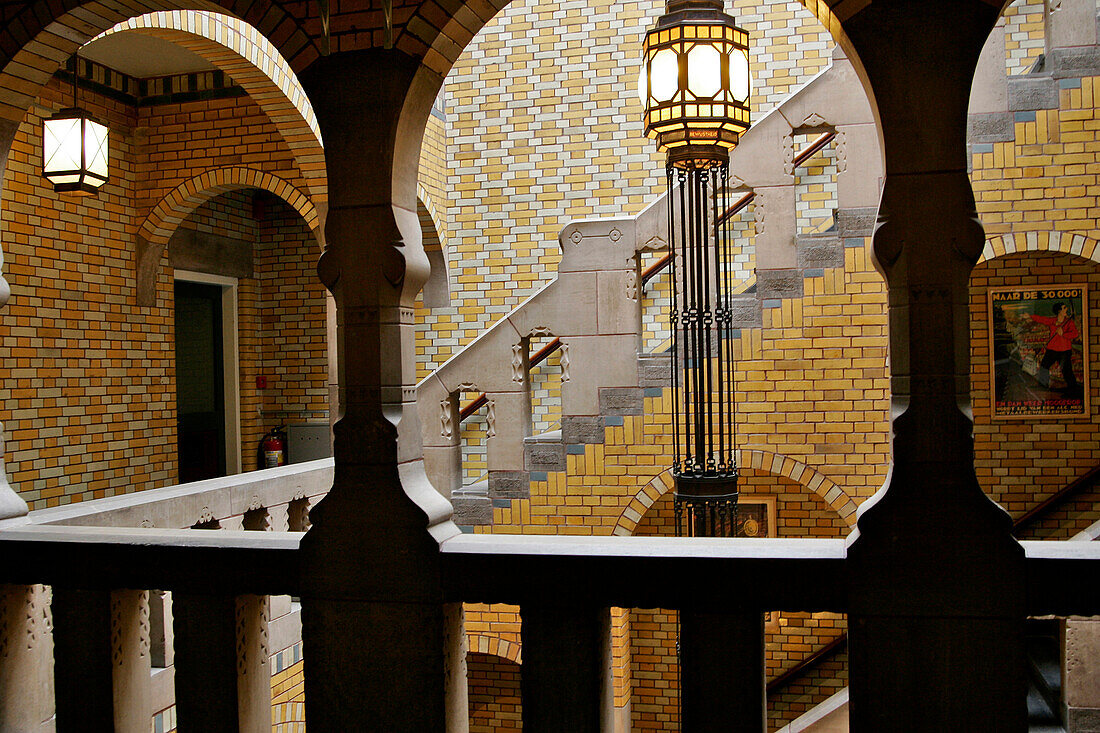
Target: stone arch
(496, 646)
(436, 291)
(1052, 241)
(157, 228)
(254, 63)
(772, 463)
(56, 30)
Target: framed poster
(1038, 347)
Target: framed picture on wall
(1038, 346)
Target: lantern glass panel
(740, 79)
(95, 151)
(664, 75)
(61, 146)
(704, 70)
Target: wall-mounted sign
(1038, 345)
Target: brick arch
(766, 461)
(1053, 241)
(57, 29)
(157, 228)
(254, 63)
(496, 646)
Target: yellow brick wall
(90, 390)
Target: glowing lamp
(695, 83)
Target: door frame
(231, 373)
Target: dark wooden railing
(537, 358)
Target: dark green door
(200, 390)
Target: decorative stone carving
(813, 120)
(205, 515)
(654, 244)
(491, 419)
(615, 235)
(632, 286)
(254, 504)
(242, 647)
(446, 429)
(468, 387)
(147, 523)
(541, 331)
(563, 361)
(758, 213)
(841, 144)
(788, 156)
(144, 633)
(116, 630)
(517, 363)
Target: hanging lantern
(74, 150)
(695, 89)
(695, 83)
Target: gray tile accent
(746, 312)
(654, 370)
(509, 484)
(581, 429)
(621, 401)
(778, 284)
(856, 222)
(544, 456)
(991, 127)
(820, 252)
(1078, 61)
(1032, 92)
(472, 505)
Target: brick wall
(90, 390)
(89, 403)
(493, 688)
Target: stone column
(1081, 675)
(372, 607)
(936, 591)
(253, 665)
(26, 656)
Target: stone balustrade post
(1081, 674)
(372, 606)
(936, 592)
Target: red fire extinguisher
(273, 448)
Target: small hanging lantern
(74, 149)
(695, 88)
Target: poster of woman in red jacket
(1039, 351)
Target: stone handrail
(224, 500)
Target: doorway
(208, 431)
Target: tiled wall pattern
(1024, 34)
(88, 406)
(545, 380)
(815, 187)
(494, 694)
(544, 126)
(283, 338)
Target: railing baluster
(564, 671)
(26, 690)
(722, 672)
